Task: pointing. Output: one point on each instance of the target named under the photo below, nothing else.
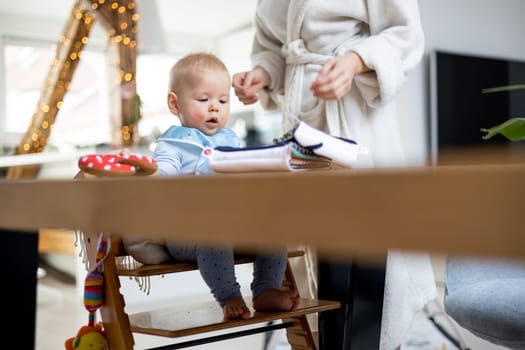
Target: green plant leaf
(513, 129)
(503, 88)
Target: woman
(338, 65)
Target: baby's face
(204, 103)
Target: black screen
(461, 107)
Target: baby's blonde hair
(192, 64)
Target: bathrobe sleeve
(395, 45)
(266, 53)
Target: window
(83, 118)
(152, 87)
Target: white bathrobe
(293, 39)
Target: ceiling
(198, 17)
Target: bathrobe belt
(297, 57)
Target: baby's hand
(124, 151)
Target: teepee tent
(120, 18)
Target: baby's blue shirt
(179, 150)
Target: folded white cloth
(341, 151)
(301, 148)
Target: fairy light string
(120, 18)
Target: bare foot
(236, 308)
(275, 299)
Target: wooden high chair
(179, 322)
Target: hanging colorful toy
(92, 336)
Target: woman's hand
(248, 84)
(336, 76)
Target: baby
(199, 94)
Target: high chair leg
(116, 321)
(300, 336)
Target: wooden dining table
(475, 209)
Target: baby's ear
(173, 104)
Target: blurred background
(29, 32)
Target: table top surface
(474, 209)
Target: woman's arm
(267, 56)
(395, 46)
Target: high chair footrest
(179, 321)
(126, 269)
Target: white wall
(480, 27)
